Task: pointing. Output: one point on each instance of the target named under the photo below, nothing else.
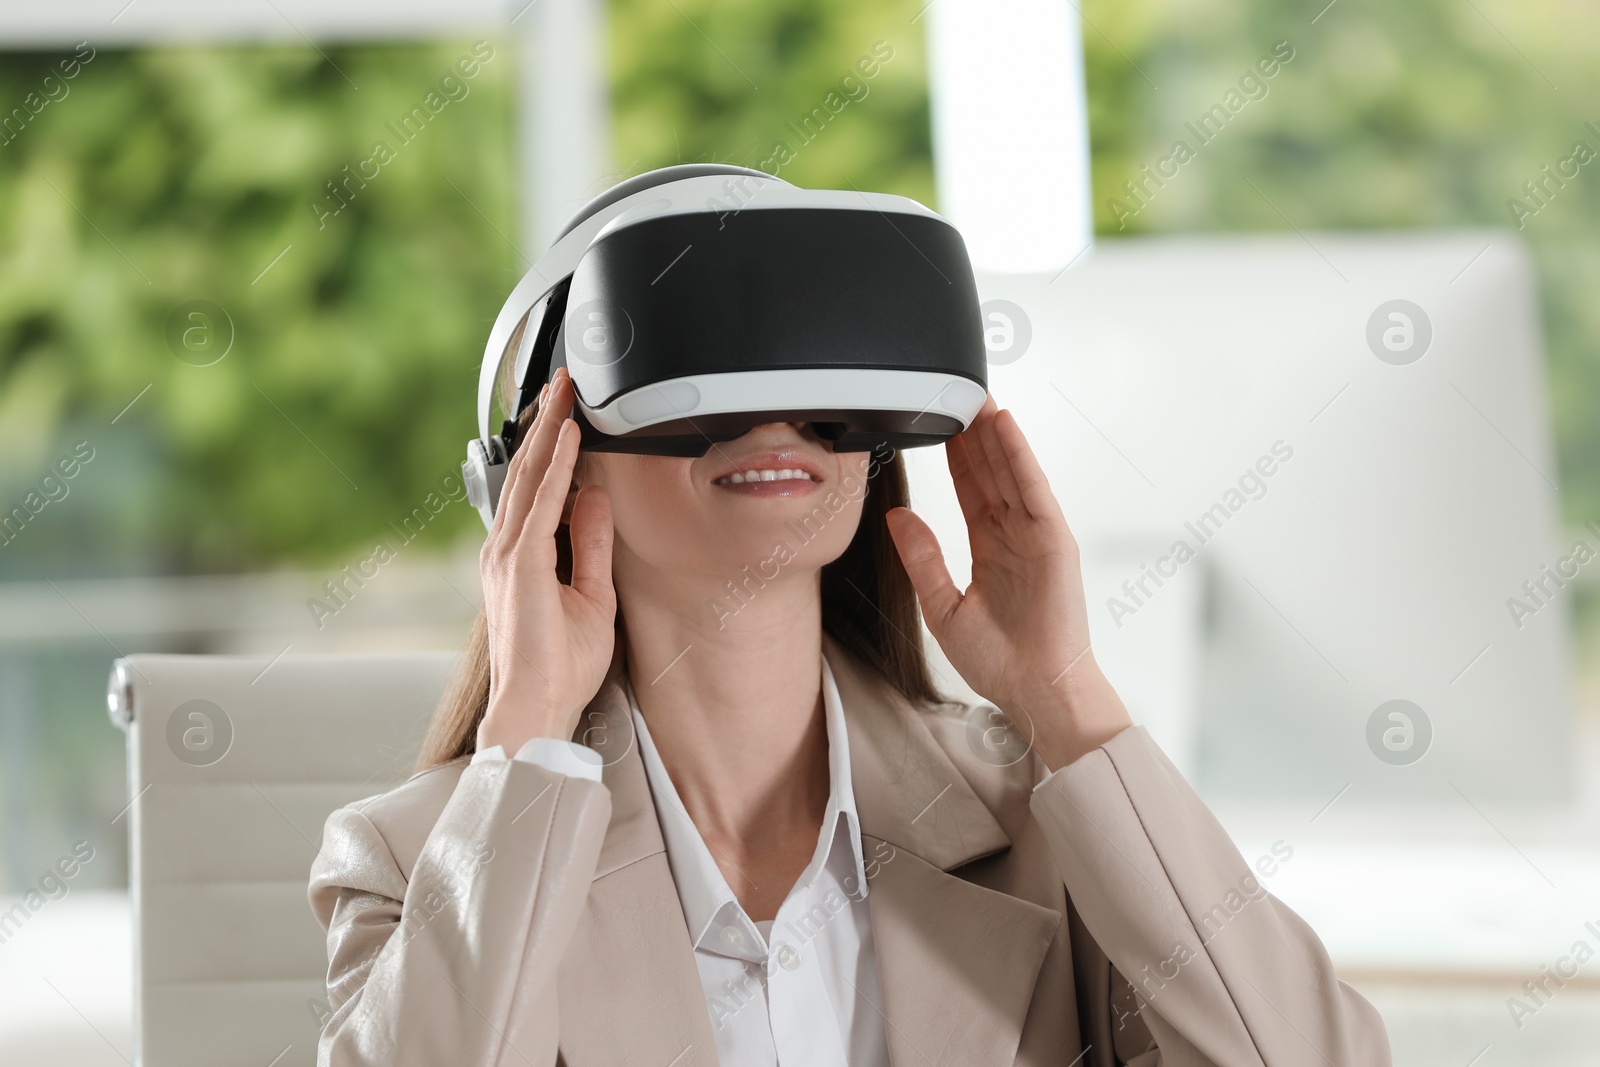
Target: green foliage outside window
(162, 184)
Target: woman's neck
(736, 714)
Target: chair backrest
(234, 762)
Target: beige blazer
(504, 914)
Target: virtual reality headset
(692, 303)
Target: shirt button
(732, 937)
(788, 957)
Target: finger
(967, 467)
(982, 473)
(962, 475)
(532, 459)
(592, 534)
(545, 514)
(1005, 479)
(1024, 470)
(514, 466)
(559, 400)
(924, 562)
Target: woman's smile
(787, 482)
(784, 473)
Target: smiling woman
(682, 805)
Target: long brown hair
(868, 605)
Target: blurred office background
(256, 371)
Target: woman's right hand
(550, 644)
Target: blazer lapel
(631, 947)
(957, 962)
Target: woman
(695, 799)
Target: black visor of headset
(708, 299)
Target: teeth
(741, 477)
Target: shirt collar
(702, 889)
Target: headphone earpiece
(484, 474)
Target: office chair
(234, 762)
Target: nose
(803, 429)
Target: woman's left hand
(1019, 635)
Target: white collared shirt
(799, 990)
